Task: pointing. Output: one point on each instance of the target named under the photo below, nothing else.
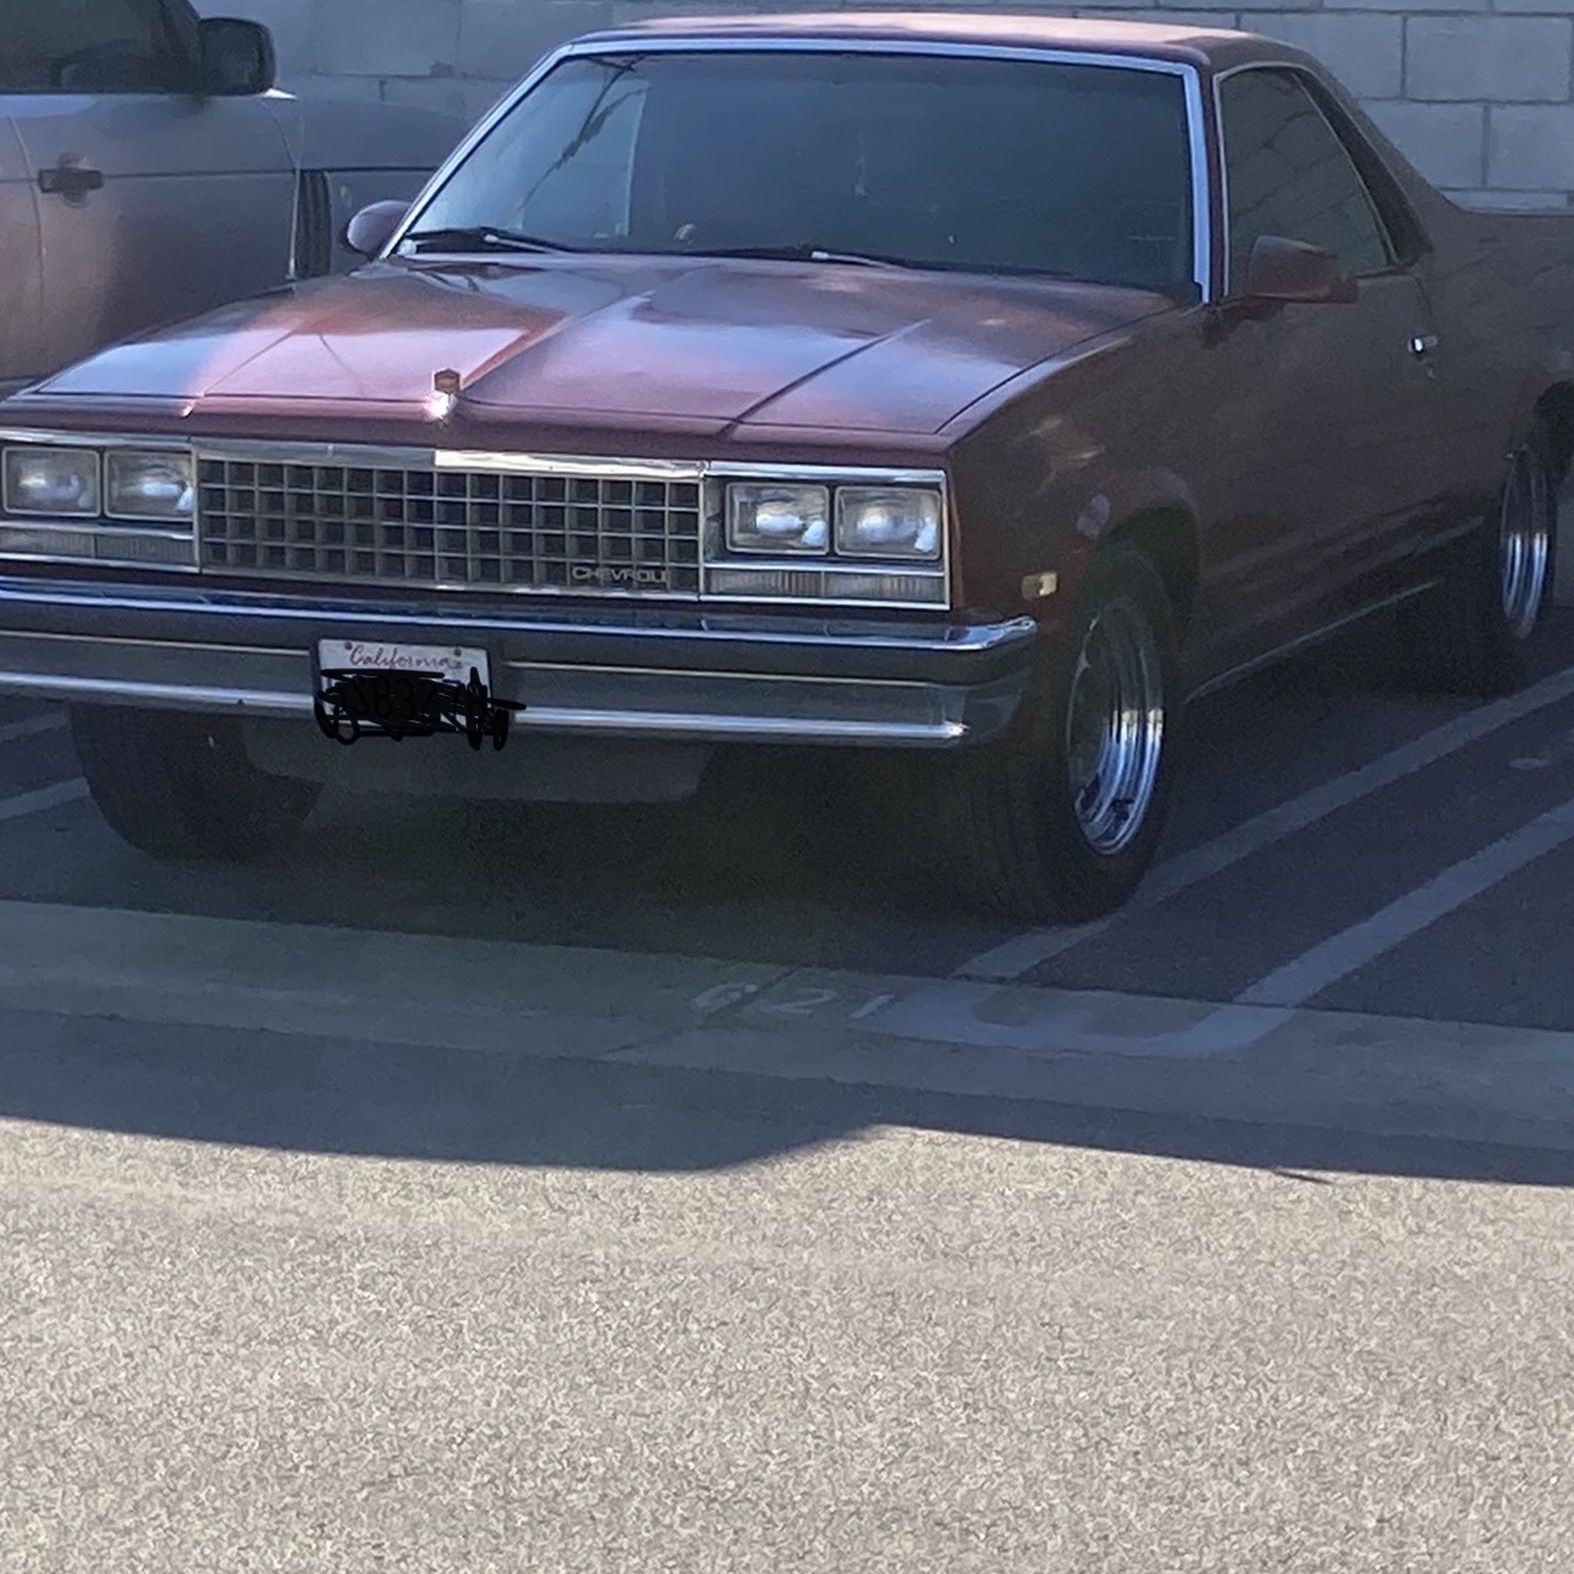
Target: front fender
(1039, 489)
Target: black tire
(182, 788)
(1460, 638)
(1011, 823)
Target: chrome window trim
(1288, 68)
(1190, 75)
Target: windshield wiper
(480, 237)
(805, 252)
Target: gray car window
(1288, 174)
(87, 46)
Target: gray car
(149, 169)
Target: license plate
(406, 691)
(446, 663)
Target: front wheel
(182, 787)
(1061, 819)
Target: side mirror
(238, 60)
(1290, 270)
(372, 228)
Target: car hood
(715, 344)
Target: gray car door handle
(70, 180)
(1423, 344)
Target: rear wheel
(182, 787)
(1471, 635)
(1060, 819)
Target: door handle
(1423, 344)
(70, 180)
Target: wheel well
(1169, 540)
(1556, 408)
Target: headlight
(57, 482)
(888, 521)
(149, 486)
(778, 518)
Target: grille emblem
(619, 578)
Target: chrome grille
(574, 534)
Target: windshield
(1001, 166)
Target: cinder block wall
(1478, 92)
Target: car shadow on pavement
(326, 1096)
(767, 865)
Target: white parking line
(42, 799)
(32, 727)
(1022, 953)
(1347, 952)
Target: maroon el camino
(971, 391)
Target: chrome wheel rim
(1524, 544)
(1115, 727)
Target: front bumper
(630, 672)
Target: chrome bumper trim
(730, 691)
(131, 691)
(629, 622)
(541, 718)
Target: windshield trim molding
(1191, 78)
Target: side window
(87, 46)
(1288, 174)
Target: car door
(154, 202)
(20, 359)
(1339, 394)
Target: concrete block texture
(505, 38)
(1409, 5)
(1478, 93)
(1365, 50)
(290, 22)
(1531, 147)
(387, 38)
(1225, 19)
(1443, 141)
(1501, 59)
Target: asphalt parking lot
(480, 1188)
(1340, 844)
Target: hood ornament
(446, 387)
